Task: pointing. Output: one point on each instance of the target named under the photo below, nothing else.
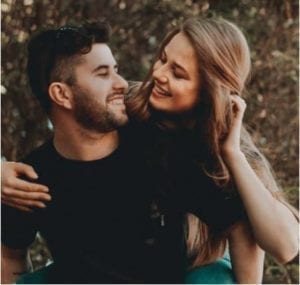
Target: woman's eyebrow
(176, 64)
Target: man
(95, 221)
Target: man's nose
(120, 82)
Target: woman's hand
(231, 145)
(18, 193)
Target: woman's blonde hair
(224, 60)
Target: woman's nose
(159, 74)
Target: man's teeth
(117, 101)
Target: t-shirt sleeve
(18, 228)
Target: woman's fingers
(23, 185)
(232, 142)
(25, 169)
(22, 202)
(10, 173)
(239, 104)
(22, 208)
(16, 193)
(19, 193)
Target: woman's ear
(61, 94)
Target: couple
(146, 201)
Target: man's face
(99, 91)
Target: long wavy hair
(224, 58)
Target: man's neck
(85, 145)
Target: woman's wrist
(232, 155)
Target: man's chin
(120, 118)
(122, 121)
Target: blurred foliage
(271, 28)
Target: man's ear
(61, 94)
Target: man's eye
(102, 74)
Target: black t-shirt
(94, 223)
(120, 219)
(175, 163)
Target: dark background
(271, 28)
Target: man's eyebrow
(103, 66)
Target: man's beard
(93, 115)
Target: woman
(190, 112)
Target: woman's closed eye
(178, 73)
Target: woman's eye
(177, 74)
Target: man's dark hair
(52, 54)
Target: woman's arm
(274, 225)
(18, 193)
(247, 258)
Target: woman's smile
(159, 92)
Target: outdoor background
(271, 28)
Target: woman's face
(176, 77)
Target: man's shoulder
(134, 132)
(41, 153)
